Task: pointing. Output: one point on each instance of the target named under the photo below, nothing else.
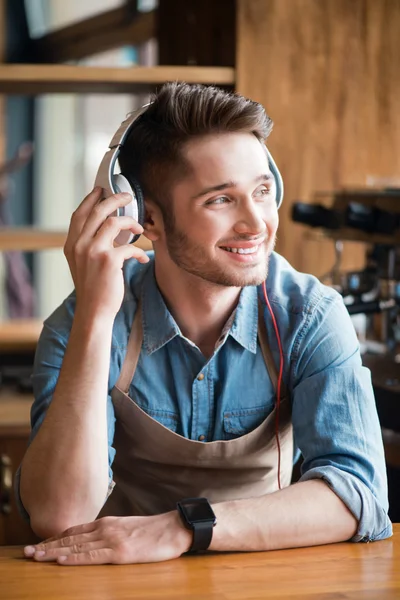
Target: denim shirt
(334, 416)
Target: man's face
(225, 214)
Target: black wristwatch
(198, 516)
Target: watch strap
(202, 536)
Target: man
(167, 367)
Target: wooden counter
(348, 571)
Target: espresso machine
(372, 217)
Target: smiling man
(174, 390)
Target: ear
(153, 222)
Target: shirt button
(202, 438)
(200, 377)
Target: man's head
(198, 155)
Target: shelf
(29, 239)
(15, 411)
(43, 79)
(19, 335)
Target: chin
(232, 277)
(244, 281)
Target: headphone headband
(277, 176)
(122, 132)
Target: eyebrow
(231, 184)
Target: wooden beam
(40, 79)
(112, 29)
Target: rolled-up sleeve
(335, 421)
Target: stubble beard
(192, 258)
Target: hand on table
(117, 540)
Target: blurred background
(70, 131)
(326, 72)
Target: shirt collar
(245, 325)
(159, 326)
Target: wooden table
(340, 571)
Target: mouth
(252, 250)
(246, 253)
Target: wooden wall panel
(328, 73)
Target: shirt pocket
(169, 419)
(241, 421)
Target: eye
(263, 191)
(219, 200)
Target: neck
(199, 307)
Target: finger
(71, 531)
(89, 201)
(101, 211)
(111, 228)
(68, 540)
(78, 548)
(128, 251)
(77, 529)
(93, 557)
(80, 215)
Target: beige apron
(154, 467)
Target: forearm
(64, 474)
(305, 514)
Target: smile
(252, 250)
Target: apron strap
(266, 352)
(132, 352)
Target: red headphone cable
(278, 391)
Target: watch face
(198, 510)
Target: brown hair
(179, 111)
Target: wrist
(198, 517)
(183, 537)
(90, 324)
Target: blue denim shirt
(335, 422)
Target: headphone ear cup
(134, 209)
(138, 194)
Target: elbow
(47, 527)
(47, 523)
(44, 520)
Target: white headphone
(114, 183)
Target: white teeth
(243, 250)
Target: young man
(188, 408)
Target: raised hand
(94, 261)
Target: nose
(250, 220)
